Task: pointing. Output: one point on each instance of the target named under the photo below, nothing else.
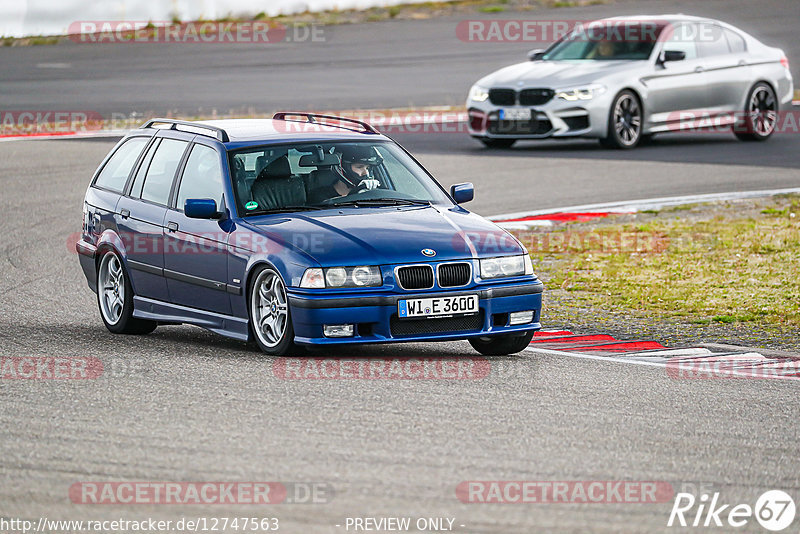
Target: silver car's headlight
(361, 276)
(506, 266)
(586, 92)
(478, 93)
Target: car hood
(381, 236)
(555, 74)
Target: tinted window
(202, 177)
(116, 171)
(683, 39)
(158, 181)
(735, 41)
(711, 41)
(599, 42)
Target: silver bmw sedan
(622, 80)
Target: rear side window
(138, 180)
(711, 41)
(116, 171)
(735, 41)
(202, 177)
(161, 172)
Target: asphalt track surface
(183, 404)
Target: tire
(498, 143)
(270, 316)
(760, 114)
(115, 298)
(624, 122)
(501, 345)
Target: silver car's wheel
(624, 122)
(269, 312)
(111, 288)
(761, 115)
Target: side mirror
(462, 192)
(201, 208)
(535, 55)
(672, 55)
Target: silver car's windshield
(312, 176)
(605, 42)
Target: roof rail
(312, 119)
(219, 133)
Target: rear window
(116, 170)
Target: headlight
(478, 94)
(506, 266)
(581, 93)
(361, 276)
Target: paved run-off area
(186, 405)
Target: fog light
(523, 317)
(338, 330)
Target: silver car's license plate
(437, 306)
(515, 114)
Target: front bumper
(375, 316)
(555, 118)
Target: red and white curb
(680, 363)
(550, 217)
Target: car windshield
(605, 41)
(313, 176)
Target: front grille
(503, 97)
(531, 127)
(535, 97)
(409, 327)
(454, 274)
(415, 277)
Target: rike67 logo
(774, 510)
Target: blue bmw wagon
(304, 229)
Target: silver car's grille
(503, 97)
(535, 97)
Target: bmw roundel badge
(429, 252)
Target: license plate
(515, 114)
(438, 306)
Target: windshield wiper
(284, 209)
(382, 202)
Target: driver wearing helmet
(352, 175)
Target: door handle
(172, 226)
(699, 69)
(742, 63)
(124, 213)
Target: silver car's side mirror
(535, 55)
(672, 55)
